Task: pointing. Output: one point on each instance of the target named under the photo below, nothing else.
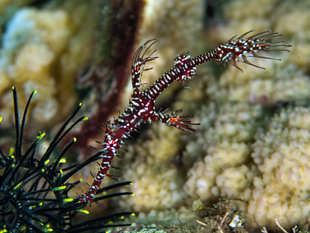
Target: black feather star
(34, 190)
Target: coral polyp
(35, 189)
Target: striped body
(142, 104)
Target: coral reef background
(250, 155)
(251, 146)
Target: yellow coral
(26, 59)
(279, 82)
(155, 167)
(37, 46)
(176, 24)
(233, 10)
(282, 190)
(298, 28)
(221, 173)
(155, 188)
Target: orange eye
(263, 45)
(174, 119)
(137, 68)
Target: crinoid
(34, 189)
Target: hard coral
(298, 28)
(177, 24)
(30, 46)
(42, 50)
(222, 173)
(282, 155)
(280, 82)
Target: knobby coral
(282, 157)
